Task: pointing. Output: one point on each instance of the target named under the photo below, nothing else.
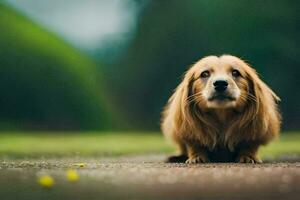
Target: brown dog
(221, 112)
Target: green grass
(30, 145)
(82, 144)
(288, 144)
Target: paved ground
(147, 177)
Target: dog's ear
(180, 101)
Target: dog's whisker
(249, 97)
(193, 95)
(198, 99)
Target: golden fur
(221, 130)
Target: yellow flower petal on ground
(46, 181)
(80, 164)
(72, 175)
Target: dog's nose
(220, 85)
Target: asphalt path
(147, 177)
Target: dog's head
(223, 82)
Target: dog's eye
(205, 74)
(235, 73)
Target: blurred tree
(44, 82)
(174, 34)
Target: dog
(221, 112)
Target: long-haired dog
(221, 112)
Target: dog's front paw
(248, 159)
(197, 159)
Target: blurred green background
(111, 65)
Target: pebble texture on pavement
(147, 177)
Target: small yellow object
(72, 175)
(46, 181)
(80, 164)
